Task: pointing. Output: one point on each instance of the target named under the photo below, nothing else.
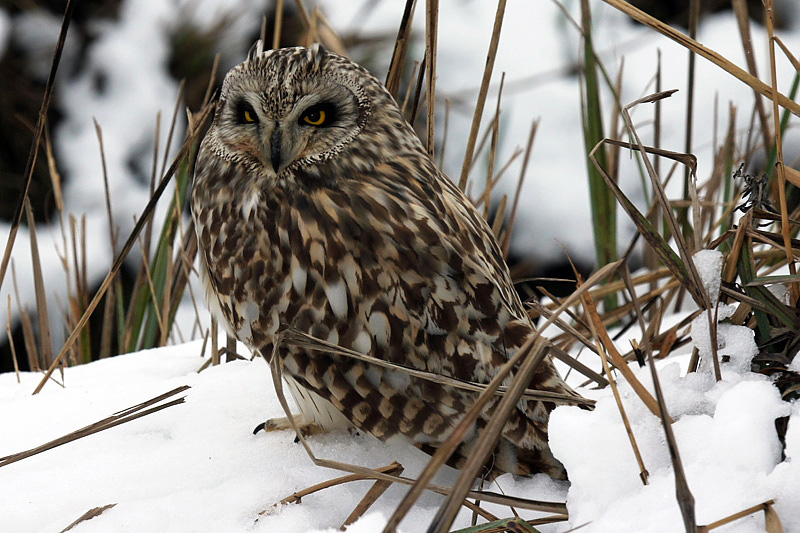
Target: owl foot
(279, 424)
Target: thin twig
(400, 46)
(682, 491)
(487, 76)
(88, 515)
(683, 40)
(120, 417)
(34, 151)
(276, 31)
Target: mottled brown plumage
(345, 229)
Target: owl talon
(280, 424)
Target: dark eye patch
(245, 114)
(320, 115)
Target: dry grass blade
(27, 327)
(296, 337)
(792, 176)
(214, 342)
(417, 90)
(45, 346)
(791, 57)
(743, 21)
(400, 46)
(55, 177)
(34, 151)
(302, 12)
(785, 229)
(626, 277)
(276, 31)
(774, 527)
(650, 258)
(682, 491)
(487, 191)
(694, 17)
(88, 515)
(729, 272)
(479, 104)
(513, 216)
(188, 251)
(566, 358)
(498, 176)
(499, 216)
(108, 313)
(443, 146)
(431, 28)
(693, 284)
(11, 340)
(600, 332)
(771, 519)
(126, 415)
(488, 438)
(520, 503)
(592, 312)
(375, 491)
(511, 525)
(297, 497)
(683, 40)
(149, 278)
(192, 138)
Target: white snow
(197, 467)
(709, 267)
(728, 446)
(191, 467)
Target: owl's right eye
(245, 114)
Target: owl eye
(318, 115)
(245, 113)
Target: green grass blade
(604, 221)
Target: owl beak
(275, 149)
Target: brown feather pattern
(361, 241)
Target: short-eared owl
(316, 205)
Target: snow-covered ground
(197, 467)
(191, 467)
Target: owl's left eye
(245, 114)
(318, 115)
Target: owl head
(295, 108)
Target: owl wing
(423, 269)
(413, 275)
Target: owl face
(287, 107)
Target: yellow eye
(315, 117)
(248, 117)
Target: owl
(316, 206)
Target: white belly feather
(315, 409)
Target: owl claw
(279, 424)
